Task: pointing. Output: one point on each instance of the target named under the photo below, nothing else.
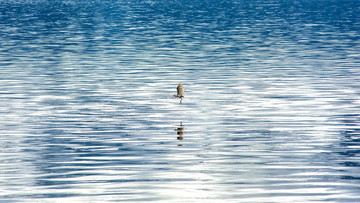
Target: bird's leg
(180, 100)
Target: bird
(180, 92)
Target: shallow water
(270, 114)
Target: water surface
(270, 114)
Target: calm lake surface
(271, 110)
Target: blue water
(270, 113)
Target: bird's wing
(180, 90)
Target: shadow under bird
(180, 132)
(180, 92)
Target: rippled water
(270, 114)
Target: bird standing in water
(180, 92)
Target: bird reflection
(180, 92)
(180, 132)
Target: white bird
(180, 92)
